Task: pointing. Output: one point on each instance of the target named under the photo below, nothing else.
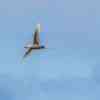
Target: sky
(69, 68)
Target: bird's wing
(36, 39)
(27, 52)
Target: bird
(35, 43)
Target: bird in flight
(35, 43)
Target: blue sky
(69, 68)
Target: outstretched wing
(28, 52)
(36, 38)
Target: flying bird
(35, 43)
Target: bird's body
(36, 42)
(35, 47)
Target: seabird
(36, 42)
